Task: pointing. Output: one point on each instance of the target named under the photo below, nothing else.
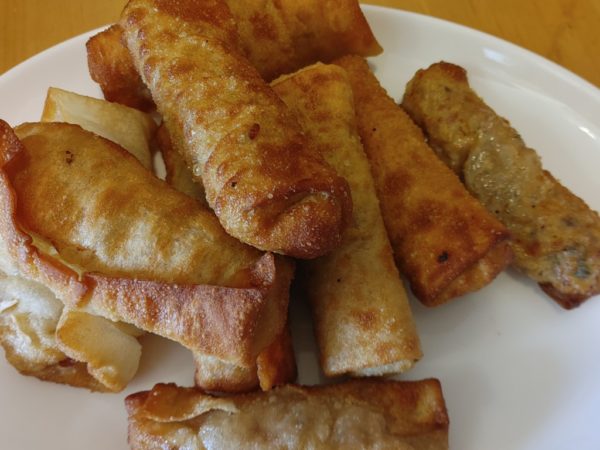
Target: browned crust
(111, 67)
(282, 36)
(265, 184)
(556, 236)
(438, 231)
(277, 37)
(234, 324)
(363, 321)
(414, 411)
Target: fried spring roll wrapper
(265, 182)
(276, 36)
(84, 218)
(276, 364)
(366, 414)
(36, 332)
(363, 321)
(282, 36)
(556, 236)
(444, 241)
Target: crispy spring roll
(83, 217)
(444, 241)
(282, 36)
(363, 321)
(265, 182)
(556, 236)
(59, 344)
(42, 339)
(276, 36)
(366, 414)
(276, 364)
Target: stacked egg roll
(84, 218)
(277, 37)
(556, 236)
(444, 240)
(274, 365)
(363, 321)
(43, 338)
(366, 414)
(266, 184)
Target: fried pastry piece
(366, 414)
(276, 364)
(556, 236)
(110, 66)
(266, 184)
(282, 36)
(83, 217)
(128, 127)
(444, 241)
(276, 36)
(363, 321)
(30, 318)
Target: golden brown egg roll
(363, 321)
(83, 217)
(556, 236)
(365, 414)
(262, 178)
(276, 364)
(282, 36)
(444, 241)
(276, 36)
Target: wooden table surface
(565, 31)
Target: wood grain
(565, 31)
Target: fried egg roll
(363, 321)
(556, 236)
(444, 241)
(282, 36)
(83, 217)
(266, 184)
(276, 36)
(366, 414)
(276, 364)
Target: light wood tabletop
(565, 31)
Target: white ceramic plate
(518, 372)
